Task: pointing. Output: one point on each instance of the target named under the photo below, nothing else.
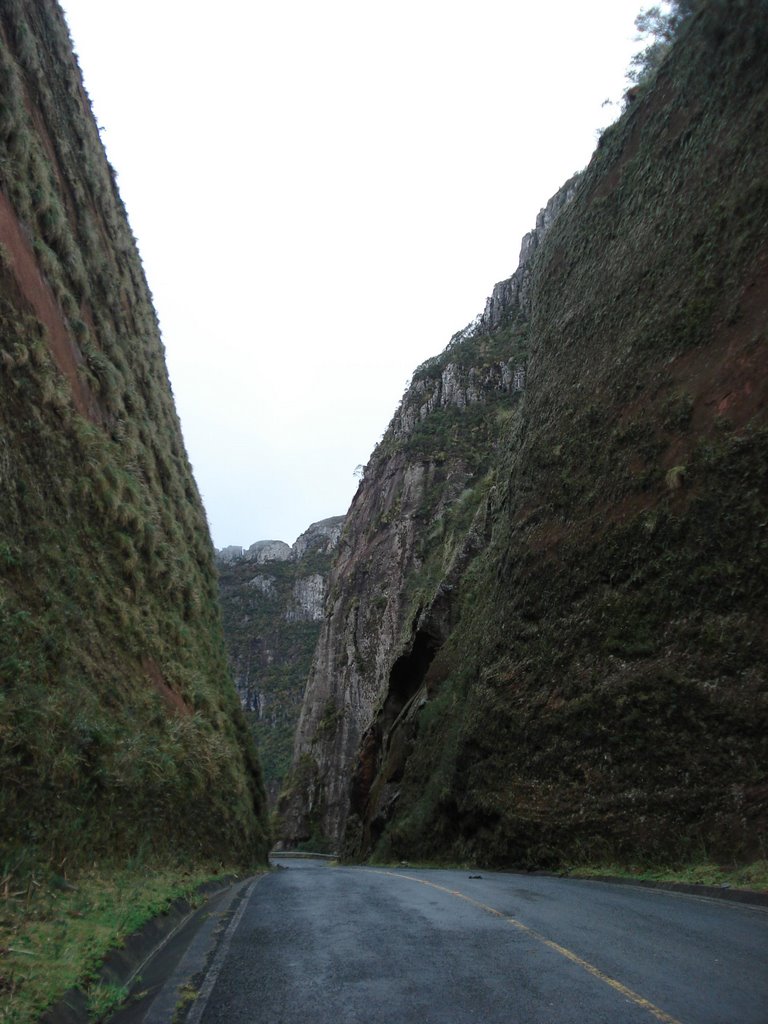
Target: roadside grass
(753, 877)
(55, 932)
(188, 994)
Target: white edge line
(212, 974)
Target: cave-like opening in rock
(407, 676)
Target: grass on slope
(753, 877)
(55, 932)
(115, 694)
(607, 699)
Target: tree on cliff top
(659, 27)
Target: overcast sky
(323, 193)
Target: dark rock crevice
(388, 741)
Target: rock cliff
(120, 730)
(545, 635)
(415, 524)
(272, 597)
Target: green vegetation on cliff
(568, 663)
(120, 730)
(604, 694)
(272, 613)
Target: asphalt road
(318, 944)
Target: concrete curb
(303, 855)
(713, 892)
(121, 966)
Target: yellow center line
(637, 999)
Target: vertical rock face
(513, 294)
(545, 634)
(308, 599)
(272, 596)
(120, 729)
(415, 524)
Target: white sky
(323, 193)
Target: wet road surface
(320, 944)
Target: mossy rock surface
(611, 700)
(120, 727)
(567, 664)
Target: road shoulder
(153, 953)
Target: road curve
(332, 945)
